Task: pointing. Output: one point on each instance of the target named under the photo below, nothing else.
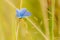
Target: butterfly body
(22, 13)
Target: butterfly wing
(20, 13)
(17, 10)
(17, 13)
(27, 14)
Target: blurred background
(43, 24)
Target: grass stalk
(52, 12)
(35, 26)
(44, 6)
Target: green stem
(52, 12)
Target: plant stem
(37, 28)
(21, 3)
(52, 12)
(44, 7)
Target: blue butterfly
(22, 13)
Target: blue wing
(27, 14)
(17, 10)
(20, 13)
(17, 13)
